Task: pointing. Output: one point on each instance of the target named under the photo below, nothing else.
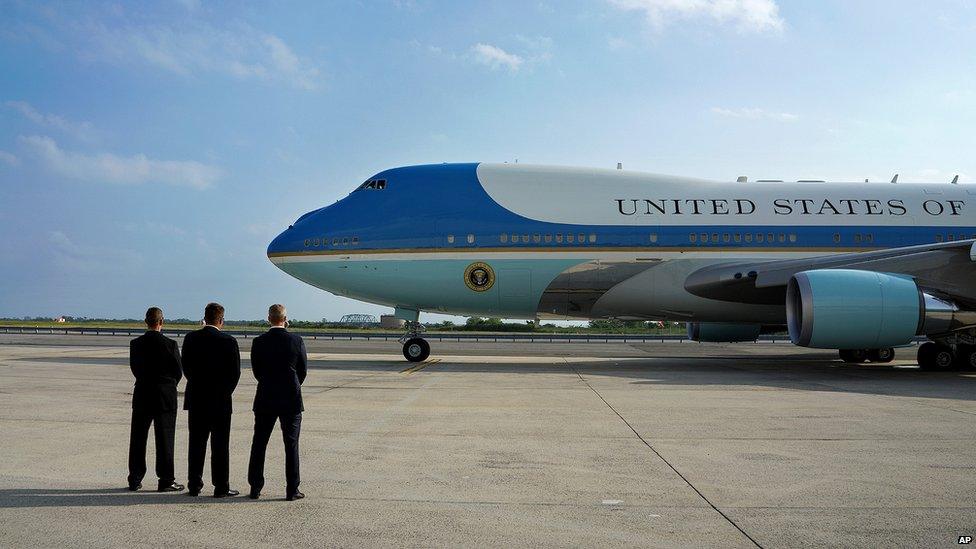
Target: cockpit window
(377, 184)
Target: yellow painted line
(421, 366)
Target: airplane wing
(945, 268)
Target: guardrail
(392, 336)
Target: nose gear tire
(416, 349)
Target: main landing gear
(932, 355)
(940, 356)
(949, 351)
(857, 356)
(415, 348)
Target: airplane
(858, 267)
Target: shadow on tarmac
(16, 498)
(800, 372)
(813, 371)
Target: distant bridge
(358, 320)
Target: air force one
(858, 267)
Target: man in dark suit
(155, 362)
(279, 363)
(212, 365)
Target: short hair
(276, 312)
(154, 316)
(213, 314)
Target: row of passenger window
(703, 238)
(549, 238)
(336, 241)
(768, 238)
(582, 238)
(694, 238)
(952, 237)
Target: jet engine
(852, 309)
(723, 332)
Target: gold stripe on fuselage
(658, 249)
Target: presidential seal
(479, 277)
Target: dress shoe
(254, 494)
(171, 487)
(296, 495)
(193, 492)
(134, 487)
(226, 494)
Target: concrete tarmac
(564, 444)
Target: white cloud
(238, 50)
(155, 228)
(9, 159)
(959, 96)
(535, 50)
(755, 114)
(71, 257)
(190, 5)
(616, 43)
(495, 57)
(81, 130)
(745, 15)
(61, 240)
(541, 44)
(539, 48)
(433, 50)
(266, 229)
(23, 32)
(110, 168)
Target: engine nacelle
(850, 309)
(723, 332)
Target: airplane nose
(298, 235)
(280, 244)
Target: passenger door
(515, 291)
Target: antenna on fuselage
(620, 165)
(894, 179)
(955, 180)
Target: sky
(150, 151)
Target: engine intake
(852, 309)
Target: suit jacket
(279, 363)
(212, 366)
(155, 362)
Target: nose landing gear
(415, 348)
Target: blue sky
(149, 152)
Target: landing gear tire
(416, 349)
(853, 356)
(966, 357)
(932, 356)
(881, 356)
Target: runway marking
(421, 366)
(662, 458)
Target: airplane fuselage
(517, 241)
